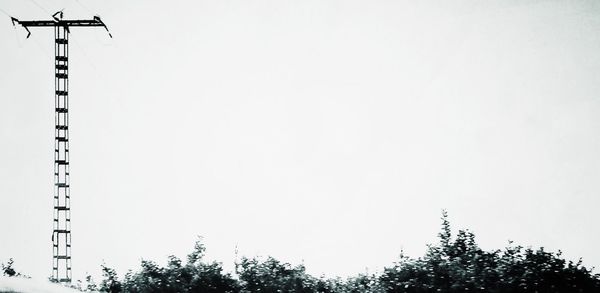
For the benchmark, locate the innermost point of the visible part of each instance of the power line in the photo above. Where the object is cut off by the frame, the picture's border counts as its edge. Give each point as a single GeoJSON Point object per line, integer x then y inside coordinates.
{"type": "Point", "coordinates": [4, 11]}
{"type": "Point", "coordinates": [40, 6]}
{"type": "Point", "coordinates": [17, 38]}
{"type": "Point", "coordinates": [39, 45]}
{"type": "Point", "coordinates": [84, 7]}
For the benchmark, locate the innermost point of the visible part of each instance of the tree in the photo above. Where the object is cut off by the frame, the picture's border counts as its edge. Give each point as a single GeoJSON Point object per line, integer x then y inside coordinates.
{"type": "Point", "coordinates": [110, 283]}
{"type": "Point", "coordinates": [194, 276]}
{"type": "Point", "coordinates": [454, 264]}
{"type": "Point", "coordinates": [459, 265]}
{"type": "Point", "coordinates": [273, 276]}
{"type": "Point", "coordinates": [8, 270]}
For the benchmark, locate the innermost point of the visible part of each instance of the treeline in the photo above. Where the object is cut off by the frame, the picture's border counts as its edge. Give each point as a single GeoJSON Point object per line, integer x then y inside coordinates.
{"type": "Point", "coordinates": [455, 264]}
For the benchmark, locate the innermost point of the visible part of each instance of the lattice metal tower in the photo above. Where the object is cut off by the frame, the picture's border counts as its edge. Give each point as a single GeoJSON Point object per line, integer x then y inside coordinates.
{"type": "Point", "coordinates": [61, 225]}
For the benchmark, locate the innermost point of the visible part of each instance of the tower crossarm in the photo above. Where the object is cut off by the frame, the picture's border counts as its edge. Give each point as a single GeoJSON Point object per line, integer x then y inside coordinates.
{"type": "Point", "coordinates": [27, 23]}
{"type": "Point", "coordinates": [59, 22]}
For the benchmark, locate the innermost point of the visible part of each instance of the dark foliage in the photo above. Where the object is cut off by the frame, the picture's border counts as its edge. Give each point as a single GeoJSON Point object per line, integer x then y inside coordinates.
{"type": "Point", "coordinates": [273, 276]}
{"type": "Point", "coordinates": [453, 265]}
{"type": "Point", "coordinates": [193, 276]}
{"type": "Point", "coordinates": [460, 265]}
{"type": "Point", "coordinates": [8, 270]}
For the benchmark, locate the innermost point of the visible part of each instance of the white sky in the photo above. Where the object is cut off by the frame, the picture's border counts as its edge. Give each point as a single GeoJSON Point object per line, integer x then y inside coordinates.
{"type": "Point", "coordinates": [325, 132]}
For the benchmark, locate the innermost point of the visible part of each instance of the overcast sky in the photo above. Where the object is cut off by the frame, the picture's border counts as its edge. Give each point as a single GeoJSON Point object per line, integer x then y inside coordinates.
{"type": "Point", "coordinates": [326, 132]}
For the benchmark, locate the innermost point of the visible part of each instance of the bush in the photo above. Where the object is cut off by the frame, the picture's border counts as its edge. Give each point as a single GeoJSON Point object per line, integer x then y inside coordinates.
{"type": "Point", "coordinates": [453, 265]}
{"type": "Point", "coordinates": [460, 265]}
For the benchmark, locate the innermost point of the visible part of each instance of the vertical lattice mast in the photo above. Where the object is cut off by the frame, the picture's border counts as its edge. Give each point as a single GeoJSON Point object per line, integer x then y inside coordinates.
{"type": "Point", "coordinates": [61, 234]}
{"type": "Point", "coordinates": [61, 226]}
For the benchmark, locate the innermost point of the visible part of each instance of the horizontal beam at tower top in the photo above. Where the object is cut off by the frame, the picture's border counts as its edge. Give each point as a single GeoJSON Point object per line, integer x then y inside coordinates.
{"type": "Point", "coordinates": [59, 22]}
{"type": "Point", "coordinates": [93, 22]}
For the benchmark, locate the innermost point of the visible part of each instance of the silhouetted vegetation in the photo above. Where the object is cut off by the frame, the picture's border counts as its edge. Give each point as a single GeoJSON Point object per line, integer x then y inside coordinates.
{"type": "Point", "coordinates": [193, 276]}
{"type": "Point", "coordinates": [455, 264]}
{"type": "Point", "coordinates": [459, 265]}
{"type": "Point", "coordinates": [9, 271]}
